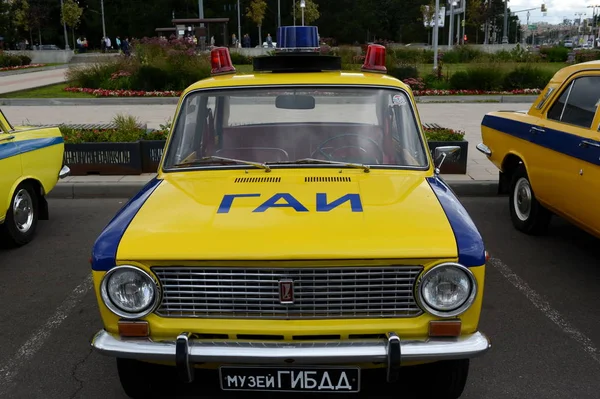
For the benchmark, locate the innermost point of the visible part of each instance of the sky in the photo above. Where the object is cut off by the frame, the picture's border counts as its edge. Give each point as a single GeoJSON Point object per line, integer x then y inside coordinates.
{"type": "Point", "coordinates": [557, 9]}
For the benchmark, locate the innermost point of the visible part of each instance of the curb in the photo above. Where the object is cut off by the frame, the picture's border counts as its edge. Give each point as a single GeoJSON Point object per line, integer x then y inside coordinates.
{"type": "Point", "coordinates": [520, 99]}
{"type": "Point", "coordinates": [483, 188]}
{"type": "Point", "coordinates": [32, 70]}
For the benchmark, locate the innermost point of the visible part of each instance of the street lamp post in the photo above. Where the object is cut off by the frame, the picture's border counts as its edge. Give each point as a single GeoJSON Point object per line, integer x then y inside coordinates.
{"type": "Point", "coordinates": [593, 7]}
{"type": "Point", "coordinates": [103, 26]}
{"type": "Point", "coordinates": [435, 35]}
{"type": "Point", "coordinates": [505, 35]}
{"type": "Point", "coordinates": [65, 28]}
{"type": "Point", "coordinates": [278, 13]}
{"type": "Point", "coordinates": [302, 6]}
{"type": "Point", "coordinates": [450, 30]}
{"type": "Point", "coordinates": [239, 23]}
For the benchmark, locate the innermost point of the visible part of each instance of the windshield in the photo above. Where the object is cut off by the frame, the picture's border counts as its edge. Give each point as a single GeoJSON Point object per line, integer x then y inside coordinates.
{"type": "Point", "coordinates": [280, 125]}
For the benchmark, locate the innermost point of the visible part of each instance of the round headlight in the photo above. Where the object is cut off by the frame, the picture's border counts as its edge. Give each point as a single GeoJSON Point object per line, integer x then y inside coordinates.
{"type": "Point", "coordinates": [447, 290]}
{"type": "Point", "coordinates": [129, 292]}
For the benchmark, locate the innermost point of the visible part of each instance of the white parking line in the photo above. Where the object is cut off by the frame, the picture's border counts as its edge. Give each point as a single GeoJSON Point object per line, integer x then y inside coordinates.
{"type": "Point", "coordinates": [10, 368]}
{"type": "Point", "coordinates": [543, 305]}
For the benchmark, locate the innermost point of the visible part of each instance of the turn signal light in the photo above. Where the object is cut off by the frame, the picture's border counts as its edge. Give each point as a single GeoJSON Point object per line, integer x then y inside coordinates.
{"type": "Point", "coordinates": [133, 328]}
{"type": "Point", "coordinates": [375, 59]}
{"type": "Point", "coordinates": [221, 61]}
{"type": "Point", "coordinates": [445, 328]}
{"type": "Point", "coordinates": [487, 256]}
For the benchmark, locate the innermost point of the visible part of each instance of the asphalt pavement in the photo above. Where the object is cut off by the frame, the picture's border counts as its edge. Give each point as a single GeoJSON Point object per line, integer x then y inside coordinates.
{"type": "Point", "coordinates": [540, 310]}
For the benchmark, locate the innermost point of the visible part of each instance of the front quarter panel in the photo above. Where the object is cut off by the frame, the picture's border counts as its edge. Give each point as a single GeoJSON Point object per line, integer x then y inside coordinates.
{"type": "Point", "coordinates": [42, 152]}
{"type": "Point", "coordinates": [508, 133]}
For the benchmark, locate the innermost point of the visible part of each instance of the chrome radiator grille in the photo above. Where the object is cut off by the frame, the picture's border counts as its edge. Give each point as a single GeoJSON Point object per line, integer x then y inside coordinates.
{"type": "Point", "coordinates": [340, 292]}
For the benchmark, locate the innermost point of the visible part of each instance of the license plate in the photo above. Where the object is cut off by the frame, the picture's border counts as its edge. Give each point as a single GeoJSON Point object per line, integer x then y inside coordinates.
{"type": "Point", "coordinates": [309, 379]}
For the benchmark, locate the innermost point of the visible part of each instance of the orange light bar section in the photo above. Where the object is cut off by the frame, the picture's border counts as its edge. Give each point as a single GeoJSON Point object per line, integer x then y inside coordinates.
{"type": "Point", "coordinates": [445, 328]}
{"type": "Point", "coordinates": [133, 328]}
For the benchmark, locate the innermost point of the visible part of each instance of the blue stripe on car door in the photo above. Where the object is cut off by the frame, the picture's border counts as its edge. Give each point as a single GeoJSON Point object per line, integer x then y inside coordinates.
{"type": "Point", "coordinates": [555, 140]}
{"type": "Point", "coordinates": [13, 148]}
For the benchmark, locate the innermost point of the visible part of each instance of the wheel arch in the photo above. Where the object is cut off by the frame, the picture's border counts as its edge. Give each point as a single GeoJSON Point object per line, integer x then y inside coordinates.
{"type": "Point", "coordinates": [509, 165]}
{"type": "Point", "coordinates": [40, 193]}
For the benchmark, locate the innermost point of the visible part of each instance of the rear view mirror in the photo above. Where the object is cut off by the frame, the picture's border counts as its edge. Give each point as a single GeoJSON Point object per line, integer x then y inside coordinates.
{"type": "Point", "coordinates": [295, 102]}
{"type": "Point", "coordinates": [450, 152]}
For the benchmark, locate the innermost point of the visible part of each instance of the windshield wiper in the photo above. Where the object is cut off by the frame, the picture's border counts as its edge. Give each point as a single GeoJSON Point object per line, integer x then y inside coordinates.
{"type": "Point", "coordinates": [366, 168]}
{"type": "Point", "coordinates": [221, 160]}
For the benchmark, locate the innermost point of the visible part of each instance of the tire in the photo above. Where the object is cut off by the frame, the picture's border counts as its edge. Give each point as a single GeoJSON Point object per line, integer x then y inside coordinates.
{"type": "Point", "coordinates": [526, 213]}
{"type": "Point", "coordinates": [21, 219]}
{"type": "Point", "coordinates": [138, 379]}
{"type": "Point", "coordinates": [444, 380]}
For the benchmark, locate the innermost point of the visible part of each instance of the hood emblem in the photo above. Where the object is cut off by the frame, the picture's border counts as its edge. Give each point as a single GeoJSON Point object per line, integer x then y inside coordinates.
{"type": "Point", "coordinates": [286, 291]}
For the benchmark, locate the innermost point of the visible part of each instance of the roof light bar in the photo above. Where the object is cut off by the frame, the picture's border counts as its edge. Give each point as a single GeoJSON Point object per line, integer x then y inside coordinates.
{"type": "Point", "coordinates": [375, 59]}
{"type": "Point", "coordinates": [297, 39]}
{"type": "Point", "coordinates": [221, 61]}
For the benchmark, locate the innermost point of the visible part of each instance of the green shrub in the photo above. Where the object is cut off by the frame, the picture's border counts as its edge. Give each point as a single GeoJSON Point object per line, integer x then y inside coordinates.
{"type": "Point", "coordinates": [403, 72]}
{"type": "Point", "coordinates": [462, 54]}
{"type": "Point", "coordinates": [25, 60]}
{"type": "Point", "coordinates": [479, 77]}
{"type": "Point", "coordinates": [527, 77]}
{"type": "Point", "coordinates": [444, 134]}
{"type": "Point", "coordinates": [156, 64]}
{"type": "Point", "coordinates": [555, 54]}
{"type": "Point", "coordinates": [433, 82]}
{"type": "Point", "coordinates": [587, 55]}
{"type": "Point", "coordinates": [7, 60]}
{"type": "Point", "coordinates": [411, 56]}
{"type": "Point", "coordinates": [238, 58]}
{"type": "Point", "coordinates": [460, 81]}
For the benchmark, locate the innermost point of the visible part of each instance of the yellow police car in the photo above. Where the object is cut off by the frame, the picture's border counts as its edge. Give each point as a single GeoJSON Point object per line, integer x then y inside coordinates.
{"type": "Point", "coordinates": [549, 156]}
{"type": "Point", "coordinates": [30, 166]}
{"type": "Point", "coordinates": [297, 235]}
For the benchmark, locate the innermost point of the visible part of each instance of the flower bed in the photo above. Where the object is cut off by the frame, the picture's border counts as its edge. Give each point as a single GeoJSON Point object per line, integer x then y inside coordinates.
{"type": "Point", "coordinates": [14, 68]}
{"type": "Point", "coordinates": [123, 93]}
{"type": "Point", "coordinates": [474, 92]}
{"type": "Point", "coordinates": [173, 93]}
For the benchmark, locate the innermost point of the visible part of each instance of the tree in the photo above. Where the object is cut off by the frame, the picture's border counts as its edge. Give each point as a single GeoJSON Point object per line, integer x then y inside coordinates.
{"type": "Point", "coordinates": [256, 12]}
{"type": "Point", "coordinates": [476, 11]}
{"type": "Point", "coordinates": [311, 12]}
{"type": "Point", "coordinates": [71, 15]}
{"type": "Point", "coordinates": [22, 18]}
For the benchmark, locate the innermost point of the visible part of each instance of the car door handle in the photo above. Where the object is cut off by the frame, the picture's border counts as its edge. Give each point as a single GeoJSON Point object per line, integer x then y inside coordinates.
{"type": "Point", "coordinates": [7, 138]}
{"type": "Point", "coordinates": [535, 129]}
{"type": "Point", "coordinates": [585, 143]}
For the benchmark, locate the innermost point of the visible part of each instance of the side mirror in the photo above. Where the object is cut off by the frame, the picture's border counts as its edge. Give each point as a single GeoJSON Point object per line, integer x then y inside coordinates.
{"type": "Point", "coordinates": [441, 153]}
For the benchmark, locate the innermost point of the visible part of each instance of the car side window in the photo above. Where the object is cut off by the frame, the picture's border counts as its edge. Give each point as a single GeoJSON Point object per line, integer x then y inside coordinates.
{"type": "Point", "coordinates": [577, 104]}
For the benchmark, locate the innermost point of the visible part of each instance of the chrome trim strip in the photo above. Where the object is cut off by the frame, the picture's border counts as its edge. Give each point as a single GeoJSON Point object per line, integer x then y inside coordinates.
{"type": "Point", "coordinates": [11, 137]}
{"type": "Point", "coordinates": [302, 353]}
{"type": "Point", "coordinates": [484, 148]}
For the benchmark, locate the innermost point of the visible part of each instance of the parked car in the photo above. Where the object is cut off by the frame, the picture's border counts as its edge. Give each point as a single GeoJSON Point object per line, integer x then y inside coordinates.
{"type": "Point", "coordinates": [297, 234]}
{"type": "Point", "coordinates": [549, 156]}
{"type": "Point", "coordinates": [30, 166]}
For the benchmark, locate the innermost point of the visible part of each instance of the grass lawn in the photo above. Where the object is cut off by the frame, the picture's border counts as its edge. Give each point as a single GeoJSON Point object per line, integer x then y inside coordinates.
{"type": "Point", "coordinates": [426, 69]}
{"type": "Point", "coordinates": [53, 91]}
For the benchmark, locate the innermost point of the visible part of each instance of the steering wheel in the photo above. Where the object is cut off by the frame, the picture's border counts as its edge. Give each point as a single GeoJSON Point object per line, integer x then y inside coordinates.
{"type": "Point", "coordinates": [331, 155]}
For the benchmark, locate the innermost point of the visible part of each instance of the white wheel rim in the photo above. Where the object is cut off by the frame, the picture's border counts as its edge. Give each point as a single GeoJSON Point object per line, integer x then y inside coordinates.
{"type": "Point", "coordinates": [522, 198]}
{"type": "Point", "coordinates": [23, 211]}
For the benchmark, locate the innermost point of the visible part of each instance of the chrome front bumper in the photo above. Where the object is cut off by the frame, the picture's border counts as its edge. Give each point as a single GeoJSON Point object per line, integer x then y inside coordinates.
{"type": "Point", "coordinates": [391, 351]}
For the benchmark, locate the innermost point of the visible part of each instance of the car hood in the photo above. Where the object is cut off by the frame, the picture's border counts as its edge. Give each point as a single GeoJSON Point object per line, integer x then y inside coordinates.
{"type": "Point", "coordinates": [206, 216]}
